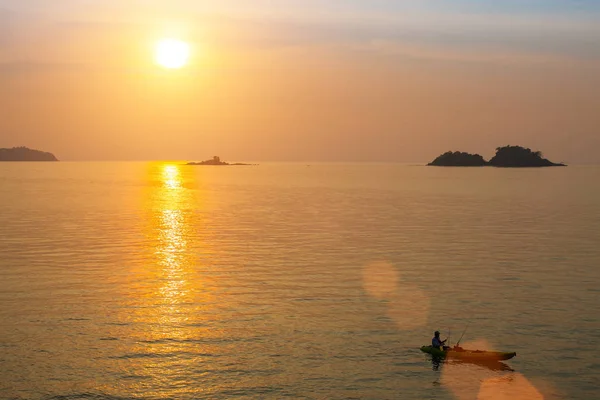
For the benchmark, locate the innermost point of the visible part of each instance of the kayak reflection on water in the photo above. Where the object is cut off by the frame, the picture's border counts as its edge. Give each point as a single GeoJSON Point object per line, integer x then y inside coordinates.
{"type": "Point", "coordinates": [437, 362]}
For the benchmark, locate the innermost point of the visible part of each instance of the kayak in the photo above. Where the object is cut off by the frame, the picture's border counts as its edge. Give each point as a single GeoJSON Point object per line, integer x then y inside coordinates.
{"type": "Point", "coordinates": [462, 354]}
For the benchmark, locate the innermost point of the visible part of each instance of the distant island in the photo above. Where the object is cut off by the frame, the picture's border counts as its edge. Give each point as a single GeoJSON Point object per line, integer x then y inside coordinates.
{"type": "Point", "coordinates": [506, 157]}
{"type": "Point", "coordinates": [215, 161]}
{"type": "Point", "coordinates": [25, 154]}
{"type": "Point", "coordinates": [459, 159]}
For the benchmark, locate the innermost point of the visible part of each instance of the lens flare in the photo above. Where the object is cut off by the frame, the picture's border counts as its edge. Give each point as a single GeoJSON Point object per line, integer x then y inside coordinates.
{"type": "Point", "coordinates": [408, 305]}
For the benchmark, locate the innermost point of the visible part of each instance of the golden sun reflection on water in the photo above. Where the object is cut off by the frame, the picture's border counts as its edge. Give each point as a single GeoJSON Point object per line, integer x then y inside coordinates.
{"type": "Point", "coordinates": [170, 302]}
{"type": "Point", "coordinates": [172, 256]}
{"type": "Point", "coordinates": [171, 177]}
{"type": "Point", "coordinates": [172, 230]}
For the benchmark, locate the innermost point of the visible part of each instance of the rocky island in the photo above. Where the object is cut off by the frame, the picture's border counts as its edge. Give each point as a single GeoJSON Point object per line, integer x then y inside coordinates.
{"type": "Point", "coordinates": [459, 159]}
{"type": "Point", "coordinates": [519, 157]}
{"type": "Point", "coordinates": [214, 161]}
{"type": "Point", "coordinates": [25, 154]}
{"type": "Point", "coordinates": [506, 157]}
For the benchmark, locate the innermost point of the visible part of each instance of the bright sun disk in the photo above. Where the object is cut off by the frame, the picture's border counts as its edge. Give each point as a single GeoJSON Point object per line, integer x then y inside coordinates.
{"type": "Point", "coordinates": [172, 53]}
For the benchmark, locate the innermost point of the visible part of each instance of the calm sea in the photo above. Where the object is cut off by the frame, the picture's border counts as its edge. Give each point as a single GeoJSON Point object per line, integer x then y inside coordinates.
{"type": "Point", "coordinates": [164, 281]}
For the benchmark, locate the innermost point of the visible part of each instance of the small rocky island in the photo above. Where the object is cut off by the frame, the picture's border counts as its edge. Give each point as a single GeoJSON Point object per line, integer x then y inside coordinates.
{"type": "Point", "coordinates": [506, 157]}
{"type": "Point", "coordinates": [214, 161]}
{"type": "Point", "coordinates": [459, 159]}
{"type": "Point", "coordinates": [25, 154]}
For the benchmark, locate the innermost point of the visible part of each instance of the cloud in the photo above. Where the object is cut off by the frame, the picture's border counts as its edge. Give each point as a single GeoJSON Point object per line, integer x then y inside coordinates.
{"type": "Point", "coordinates": [527, 39]}
{"type": "Point", "coordinates": [7, 25]}
{"type": "Point", "coordinates": [464, 39]}
{"type": "Point", "coordinates": [472, 54]}
{"type": "Point", "coordinates": [25, 67]}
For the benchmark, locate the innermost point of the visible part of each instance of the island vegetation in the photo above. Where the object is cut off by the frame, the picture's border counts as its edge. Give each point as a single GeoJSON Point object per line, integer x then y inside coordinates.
{"type": "Point", "coordinates": [25, 154]}
{"type": "Point", "coordinates": [516, 156]}
{"type": "Point", "coordinates": [506, 157]}
{"type": "Point", "coordinates": [216, 160]}
{"type": "Point", "coordinates": [459, 159]}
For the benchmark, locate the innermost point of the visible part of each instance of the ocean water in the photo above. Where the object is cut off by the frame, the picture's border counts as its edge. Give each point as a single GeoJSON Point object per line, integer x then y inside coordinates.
{"type": "Point", "coordinates": [165, 281]}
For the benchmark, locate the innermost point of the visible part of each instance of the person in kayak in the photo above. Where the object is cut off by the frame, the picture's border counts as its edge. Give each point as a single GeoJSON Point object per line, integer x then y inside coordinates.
{"type": "Point", "coordinates": [437, 342]}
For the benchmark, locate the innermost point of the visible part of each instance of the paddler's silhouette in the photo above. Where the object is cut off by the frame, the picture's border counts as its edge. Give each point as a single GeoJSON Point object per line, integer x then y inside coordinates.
{"type": "Point", "coordinates": [437, 342]}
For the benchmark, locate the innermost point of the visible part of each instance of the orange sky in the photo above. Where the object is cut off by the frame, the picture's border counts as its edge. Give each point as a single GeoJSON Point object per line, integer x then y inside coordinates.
{"type": "Point", "coordinates": [269, 84]}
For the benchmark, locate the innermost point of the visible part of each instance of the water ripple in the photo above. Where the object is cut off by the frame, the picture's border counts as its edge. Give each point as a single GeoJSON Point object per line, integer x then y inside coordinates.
{"type": "Point", "coordinates": [156, 281]}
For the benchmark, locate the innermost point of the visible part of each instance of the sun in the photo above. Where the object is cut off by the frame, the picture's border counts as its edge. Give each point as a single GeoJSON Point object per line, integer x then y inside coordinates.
{"type": "Point", "coordinates": [172, 53]}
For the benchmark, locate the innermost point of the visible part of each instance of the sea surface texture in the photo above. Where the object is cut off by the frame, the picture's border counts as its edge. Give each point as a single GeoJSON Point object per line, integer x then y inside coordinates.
{"type": "Point", "coordinates": [165, 281]}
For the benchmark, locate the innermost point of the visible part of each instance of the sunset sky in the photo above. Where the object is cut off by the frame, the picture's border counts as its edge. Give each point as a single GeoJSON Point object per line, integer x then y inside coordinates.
{"type": "Point", "coordinates": [327, 80]}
